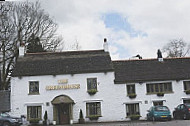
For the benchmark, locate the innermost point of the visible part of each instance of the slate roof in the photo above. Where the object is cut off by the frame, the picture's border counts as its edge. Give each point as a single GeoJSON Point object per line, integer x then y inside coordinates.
{"type": "Point", "coordinates": [70, 62]}
{"type": "Point", "coordinates": [130, 71]}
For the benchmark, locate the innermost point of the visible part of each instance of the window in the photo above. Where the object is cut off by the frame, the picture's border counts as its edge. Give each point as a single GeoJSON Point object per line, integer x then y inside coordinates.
{"type": "Point", "coordinates": [131, 89]}
{"type": "Point", "coordinates": [93, 109]}
{"type": "Point", "coordinates": [33, 87]}
{"type": "Point", "coordinates": [186, 85]}
{"type": "Point", "coordinates": [159, 87]}
{"type": "Point", "coordinates": [132, 109]}
{"type": "Point", "coordinates": [92, 85]}
{"type": "Point", "coordinates": [34, 112]}
{"type": "Point", "coordinates": [186, 101]}
{"type": "Point", "coordinates": [156, 103]}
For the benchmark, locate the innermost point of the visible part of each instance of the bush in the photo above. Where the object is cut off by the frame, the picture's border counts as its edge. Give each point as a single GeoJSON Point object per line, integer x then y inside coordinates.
{"type": "Point", "coordinates": [34, 121]}
{"type": "Point", "coordinates": [187, 91]}
{"type": "Point", "coordinates": [45, 118]}
{"type": "Point", "coordinates": [81, 118]}
{"type": "Point", "coordinates": [160, 94]}
{"type": "Point", "coordinates": [134, 117]}
{"type": "Point", "coordinates": [93, 117]}
{"type": "Point", "coordinates": [132, 95]}
{"type": "Point", "coordinates": [92, 91]}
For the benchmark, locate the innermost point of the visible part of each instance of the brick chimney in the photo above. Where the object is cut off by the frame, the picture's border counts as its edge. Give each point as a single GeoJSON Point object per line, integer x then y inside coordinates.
{"type": "Point", "coordinates": [105, 45]}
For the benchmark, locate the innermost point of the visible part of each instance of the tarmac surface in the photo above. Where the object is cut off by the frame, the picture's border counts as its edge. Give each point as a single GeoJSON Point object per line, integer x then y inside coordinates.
{"type": "Point", "coordinates": [136, 123]}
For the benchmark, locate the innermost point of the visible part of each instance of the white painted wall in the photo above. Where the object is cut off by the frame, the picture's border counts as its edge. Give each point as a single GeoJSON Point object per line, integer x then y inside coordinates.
{"type": "Point", "coordinates": [112, 96]}
{"type": "Point", "coordinates": [108, 93]}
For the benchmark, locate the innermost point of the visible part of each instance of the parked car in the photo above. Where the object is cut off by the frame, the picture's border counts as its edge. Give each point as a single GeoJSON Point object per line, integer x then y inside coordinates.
{"type": "Point", "coordinates": [7, 120]}
{"type": "Point", "coordinates": [159, 113]}
{"type": "Point", "coordinates": [182, 111]}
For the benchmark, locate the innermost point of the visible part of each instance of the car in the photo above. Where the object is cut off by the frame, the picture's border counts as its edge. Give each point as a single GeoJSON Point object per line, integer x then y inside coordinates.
{"type": "Point", "coordinates": [7, 120]}
{"type": "Point", "coordinates": [182, 111]}
{"type": "Point", "coordinates": [159, 113]}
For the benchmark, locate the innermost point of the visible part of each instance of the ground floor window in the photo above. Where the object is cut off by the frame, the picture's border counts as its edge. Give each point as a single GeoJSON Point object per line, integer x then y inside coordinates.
{"type": "Point", "coordinates": [34, 112]}
{"type": "Point", "coordinates": [93, 109]}
{"type": "Point", "coordinates": [186, 101]}
{"type": "Point", "coordinates": [156, 103]}
{"type": "Point", "coordinates": [132, 109]}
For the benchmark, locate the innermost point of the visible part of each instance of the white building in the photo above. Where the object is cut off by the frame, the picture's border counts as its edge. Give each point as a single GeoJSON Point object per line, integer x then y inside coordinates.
{"type": "Point", "coordinates": [105, 90]}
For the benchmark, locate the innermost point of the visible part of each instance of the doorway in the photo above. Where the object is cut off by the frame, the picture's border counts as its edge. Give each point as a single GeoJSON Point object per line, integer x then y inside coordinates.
{"type": "Point", "coordinates": [62, 109]}
{"type": "Point", "coordinates": [63, 114]}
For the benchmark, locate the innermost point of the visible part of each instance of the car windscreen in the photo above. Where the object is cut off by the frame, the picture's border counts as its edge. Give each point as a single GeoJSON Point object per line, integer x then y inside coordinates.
{"type": "Point", "coordinates": [161, 108]}
{"type": "Point", "coordinates": [188, 105]}
{"type": "Point", "coordinates": [4, 115]}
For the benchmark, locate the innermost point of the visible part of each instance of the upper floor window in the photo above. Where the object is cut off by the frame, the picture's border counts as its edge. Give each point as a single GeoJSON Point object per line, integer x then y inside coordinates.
{"type": "Point", "coordinates": [92, 85]}
{"type": "Point", "coordinates": [131, 91]}
{"type": "Point", "coordinates": [93, 110]}
{"type": "Point", "coordinates": [34, 87]}
{"type": "Point", "coordinates": [186, 85]}
{"type": "Point", "coordinates": [159, 87]}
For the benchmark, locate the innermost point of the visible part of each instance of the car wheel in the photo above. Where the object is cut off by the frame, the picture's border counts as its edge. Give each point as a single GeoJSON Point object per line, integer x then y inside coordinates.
{"type": "Point", "coordinates": [184, 116]}
{"type": "Point", "coordinates": [153, 119]}
{"type": "Point", "coordinates": [6, 124]}
{"type": "Point", "coordinates": [174, 115]}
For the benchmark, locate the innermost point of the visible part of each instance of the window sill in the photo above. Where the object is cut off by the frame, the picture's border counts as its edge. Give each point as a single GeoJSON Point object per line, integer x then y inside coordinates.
{"type": "Point", "coordinates": [158, 92]}
{"type": "Point", "coordinates": [187, 91]}
{"type": "Point", "coordinates": [132, 95]}
{"type": "Point", "coordinates": [92, 91]}
{"type": "Point", "coordinates": [93, 117]}
{"type": "Point", "coordinates": [34, 94]}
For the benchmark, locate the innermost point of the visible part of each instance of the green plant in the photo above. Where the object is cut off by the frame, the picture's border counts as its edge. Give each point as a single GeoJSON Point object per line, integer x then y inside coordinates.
{"type": "Point", "coordinates": [34, 121]}
{"type": "Point", "coordinates": [92, 91]}
{"type": "Point", "coordinates": [160, 94]}
{"type": "Point", "coordinates": [93, 117]}
{"type": "Point", "coordinates": [132, 95]}
{"type": "Point", "coordinates": [45, 118]}
{"type": "Point", "coordinates": [134, 117]}
{"type": "Point", "coordinates": [81, 118]}
{"type": "Point", "coordinates": [187, 91]}
{"type": "Point", "coordinates": [81, 114]}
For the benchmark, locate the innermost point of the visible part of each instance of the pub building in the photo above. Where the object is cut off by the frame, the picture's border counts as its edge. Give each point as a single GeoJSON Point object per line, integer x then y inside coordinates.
{"type": "Point", "coordinates": [63, 83]}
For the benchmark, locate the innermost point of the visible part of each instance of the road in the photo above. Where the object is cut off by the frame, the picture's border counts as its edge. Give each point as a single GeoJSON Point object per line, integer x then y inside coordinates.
{"type": "Point", "coordinates": [140, 123]}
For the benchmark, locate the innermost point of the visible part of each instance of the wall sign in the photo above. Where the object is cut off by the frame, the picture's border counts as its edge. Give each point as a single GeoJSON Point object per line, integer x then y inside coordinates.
{"type": "Point", "coordinates": [60, 87]}
{"type": "Point", "coordinates": [63, 81]}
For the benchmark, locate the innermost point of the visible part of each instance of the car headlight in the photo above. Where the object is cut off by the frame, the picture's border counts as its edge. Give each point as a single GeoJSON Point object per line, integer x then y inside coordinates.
{"type": "Point", "coordinates": [14, 120]}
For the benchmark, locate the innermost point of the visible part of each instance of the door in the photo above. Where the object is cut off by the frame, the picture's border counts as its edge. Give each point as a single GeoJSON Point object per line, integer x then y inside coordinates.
{"type": "Point", "coordinates": [64, 114]}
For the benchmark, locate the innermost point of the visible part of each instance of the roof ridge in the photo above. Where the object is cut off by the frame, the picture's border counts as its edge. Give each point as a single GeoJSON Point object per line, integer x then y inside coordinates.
{"type": "Point", "coordinates": [44, 53]}
{"type": "Point", "coordinates": [147, 59]}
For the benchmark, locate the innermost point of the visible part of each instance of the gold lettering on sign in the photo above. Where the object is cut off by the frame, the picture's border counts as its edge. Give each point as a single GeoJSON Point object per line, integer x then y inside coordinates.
{"type": "Point", "coordinates": [63, 81]}
{"type": "Point", "coordinates": [59, 87]}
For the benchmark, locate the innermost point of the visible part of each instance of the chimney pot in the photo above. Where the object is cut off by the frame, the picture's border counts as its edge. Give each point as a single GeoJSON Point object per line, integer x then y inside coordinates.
{"type": "Point", "coordinates": [21, 49]}
{"type": "Point", "coordinates": [105, 45]}
{"type": "Point", "coordinates": [105, 40]}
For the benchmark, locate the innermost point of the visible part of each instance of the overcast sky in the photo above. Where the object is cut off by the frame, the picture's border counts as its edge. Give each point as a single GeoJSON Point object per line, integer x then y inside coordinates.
{"type": "Point", "coordinates": [131, 26]}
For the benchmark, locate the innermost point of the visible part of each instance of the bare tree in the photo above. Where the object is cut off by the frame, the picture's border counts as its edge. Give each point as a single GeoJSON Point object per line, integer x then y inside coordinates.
{"type": "Point", "coordinates": [18, 22]}
{"type": "Point", "coordinates": [75, 45]}
{"type": "Point", "coordinates": [7, 45]}
{"type": "Point", "coordinates": [176, 48]}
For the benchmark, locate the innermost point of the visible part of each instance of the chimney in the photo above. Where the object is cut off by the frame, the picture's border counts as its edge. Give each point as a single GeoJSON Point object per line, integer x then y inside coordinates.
{"type": "Point", "coordinates": [21, 49]}
{"type": "Point", "coordinates": [105, 45]}
{"type": "Point", "coordinates": [159, 56]}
